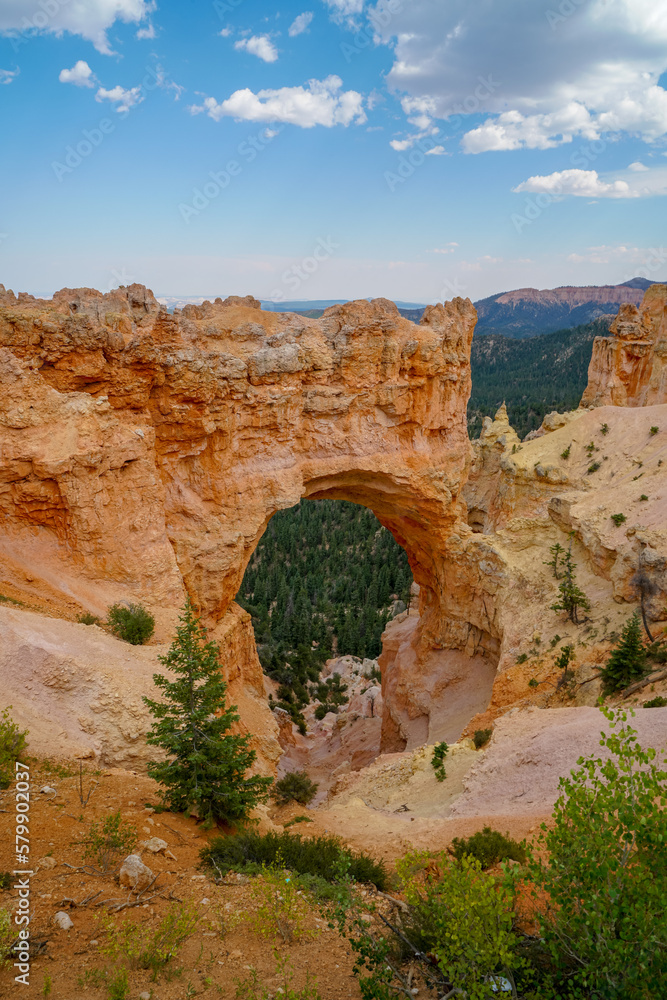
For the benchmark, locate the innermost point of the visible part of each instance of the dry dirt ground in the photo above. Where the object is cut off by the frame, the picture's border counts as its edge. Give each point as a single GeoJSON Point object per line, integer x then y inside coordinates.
{"type": "Point", "coordinates": [387, 809]}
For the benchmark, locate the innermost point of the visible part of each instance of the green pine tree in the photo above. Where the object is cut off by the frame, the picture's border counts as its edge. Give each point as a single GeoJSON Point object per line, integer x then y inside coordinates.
{"type": "Point", "coordinates": [572, 598]}
{"type": "Point", "coordinates": [627, 662]}
{"type": "Point", "coordinates": [205, 772]}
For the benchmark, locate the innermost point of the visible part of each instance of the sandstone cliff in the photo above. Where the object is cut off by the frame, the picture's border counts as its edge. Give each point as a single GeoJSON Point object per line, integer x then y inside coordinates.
{"type": "Point", "coordinates": [629, 368]}
{"type": "Point", "coordinates": [142, 454]}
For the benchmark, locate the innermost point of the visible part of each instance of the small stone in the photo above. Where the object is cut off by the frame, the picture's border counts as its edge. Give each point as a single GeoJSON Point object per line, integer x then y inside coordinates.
{"type": "Point", "coordinates": [168, 854]}
{"type": "Point", "coordinates": [155, 845]}
{"type": "Point", "coordinates": [197, 878]}
{"type": "Point", "coordinates": [63, 920]}
{"type": "Point", "coordinates": [47, 790]}
{"type": "Point", "coordinates": [93, 943]}
{"type": "Point", "coordinates": [204, 901]}
{"type": "Point", "coordinates": [135, 874]}
{"type": "Point", "coordinates": [47, 862]}
{"type": "Point", "coordinates": [145, 995]}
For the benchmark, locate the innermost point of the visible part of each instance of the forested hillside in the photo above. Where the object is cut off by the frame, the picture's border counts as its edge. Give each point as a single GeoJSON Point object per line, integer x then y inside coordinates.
{"type": "Point", "coordinates": [321, 582]}
{"type": "Point", "coordinates": [533, 376]}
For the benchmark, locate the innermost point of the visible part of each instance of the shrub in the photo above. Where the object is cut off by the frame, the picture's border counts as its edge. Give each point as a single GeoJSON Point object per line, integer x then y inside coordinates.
{"type": "Point", "coordinates": [438, 760]}
{"type": "Point", "coordinates": [250, 988]}
{"type": "Point", "coordinates": [654, 430]}
{"type": "Point", "coordinates": [87, 619]}
{"type": "Point", "coordinates": [489, 847]}
{"type": "Point", "coordinates": [604, 429]}
{"type": "Point", "coordinates": [593, 467]}
{"type": "Point", "coordinates": [132, 623]}
{"type": "Point", "coordinates": [280, 908]}
{"type": "Point", "coordinates": [297, 819]}
{"type": "Point", "coordinates": [627, 662]}
{"type": "Point", "coordinates": [657, 702]}
{"type": "Point", "coordinates": [522, 657]}
{"type": "Point", "coordinates": [294, 787]}
{"type": "Point", "coordinates": [533, 683]}
{"type": "Point", "coordinates": [108, 841]}
{"type": "Point", "coordinates": [657, 651]}
{"type": "Point", "coordinates": [618, 519]}
{"type": "Point", "coordinates": [145, 947]}
{"type": "Point", "coordinates": [469, 920]}
{"type": "Point", "coordinates": [206, 766]}
{"type": "Point", "coordinates": [481, 737]}
{"type": "Point", "coordinates": [566, 454]}
{"type": "Point", "coordinates": [7, 935]}
{"type": "Point", "coordinates": [13, 742]}
{"type": "Point", "coordinates": [602, 870]}
{"type": "Point", "coordinates": [643, 497]}
{"type": "Point", "coordinates": [320, 856]}
{"type": "Point", "coordinates": [5, 881]}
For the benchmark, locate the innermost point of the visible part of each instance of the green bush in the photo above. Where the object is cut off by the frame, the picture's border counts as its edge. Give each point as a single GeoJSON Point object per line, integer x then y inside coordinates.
{"type": "Point", "coordinates": [294, 787]}
{"type": "Point", "coordinates": [7, 935]}
{"type": "Point", "coordinates": [618, 519]}
{"type": "Point", "coordinates": [602, 870]}
{"type": "Point", "coordinates": [593, 467]}
{"type": "Point", "coordinates": [146, 947]}
{"type": "Point", "coordinates": [132, 623]}
{"type": "Point", "coordinates": [489, 847]}
{"type": "Point", "coordinates": [109, 840]}
{"type": "Point", "coordinates": [320, 856]}
{"type": "Point", "coordinates": [657, 702]}
{"type": "Point", "coordinates": [87, 619]}
{"type": "Point", "coordinates": [13, 743]}
{"type": "Point", "coordinates": [440, 751]}
{"type": "Point", "coordinates": [481, 737]}
{"type": "Point", "coordinates": [654, 430]}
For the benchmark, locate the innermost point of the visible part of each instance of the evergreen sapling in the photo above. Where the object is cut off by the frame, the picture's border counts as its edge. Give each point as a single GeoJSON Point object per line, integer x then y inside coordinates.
{"type": "Point", "coordinates": [205, 773]}
{"type": "Point", "coordinates": [627, 662]}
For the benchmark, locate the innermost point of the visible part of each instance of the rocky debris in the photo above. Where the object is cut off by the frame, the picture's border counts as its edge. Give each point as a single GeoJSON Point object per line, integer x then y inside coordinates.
{"type": "Point", "coordinates": [47, 862]}
{"type": "Point", "coordinates": [63, 921]}
{"type": "Point", "coordinates": [134, 874]}
{"type": "Point", "coordinates": [47, 790]}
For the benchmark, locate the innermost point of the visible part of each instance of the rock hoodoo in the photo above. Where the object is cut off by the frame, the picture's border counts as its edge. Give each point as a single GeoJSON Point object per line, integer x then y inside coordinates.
{"type": "Point", "coordinates": [629, 368]}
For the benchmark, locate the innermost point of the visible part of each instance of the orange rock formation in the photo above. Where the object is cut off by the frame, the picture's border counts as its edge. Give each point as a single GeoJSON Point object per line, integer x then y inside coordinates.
{"type": "Point", "coordinates": [630, 367]}
{"type": "Point", "coordinates": [143, 453]}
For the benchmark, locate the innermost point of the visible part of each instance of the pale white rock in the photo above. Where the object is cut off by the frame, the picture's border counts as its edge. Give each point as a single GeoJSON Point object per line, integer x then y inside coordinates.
{"type": "Point", "coordinates": [47, 862]}
{"type": "Point", "coordinates": [135, 874]}
{"type": "Point", "coordinates": [155, 845]}
{"type": "Point", "coordinates": [63, 920]}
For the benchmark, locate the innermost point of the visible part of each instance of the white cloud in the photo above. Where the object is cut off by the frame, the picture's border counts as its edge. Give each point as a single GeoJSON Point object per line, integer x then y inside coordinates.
{"type": "Point", "coordinates": [123, 99]}
{"type": "Point", "coordinates": [260, 46]}
{"type": "Point", "coordinates": [7, 75]}
{"type": "Point", "coordinates": [300, 24]}
{"type": "Point", "coordinates": [449, 248]}
{"type": "Point", "coordinates": [580, 183]}
{"type": "Point", "coordinates": [538, 84]}
{"type": "Point", "coordinates": [81, 75]}
{"type": "Point", "coordinates": [226, 32]}
{"type": "Point", "coordinates": [436, 151]}
{"type": "Point", "coordinates": [320, 102]}
{"type": "Point", "coordinates": [637, 167]}
{"type": "Point", "coordinates": [91, 20]}
{"type": "Point", "coordinates": [148, 32]}
{"type": "Point", "coordinates": [345, 9]}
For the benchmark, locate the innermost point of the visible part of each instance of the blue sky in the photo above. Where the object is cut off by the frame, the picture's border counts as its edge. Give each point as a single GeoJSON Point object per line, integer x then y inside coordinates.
{"type": "Point", "coordinates": [415, 149]}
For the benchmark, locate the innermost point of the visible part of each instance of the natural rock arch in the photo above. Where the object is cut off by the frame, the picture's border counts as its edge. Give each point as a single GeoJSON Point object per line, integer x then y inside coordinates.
{"type": "Point", "coordinates": [146, 452]}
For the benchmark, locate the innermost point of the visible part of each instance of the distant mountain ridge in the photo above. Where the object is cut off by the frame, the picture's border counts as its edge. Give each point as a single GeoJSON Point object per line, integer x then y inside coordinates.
{"type": "Point", "coordinates": [520, 313]}
{"type": "Point", "coordinates": [529, 312]}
